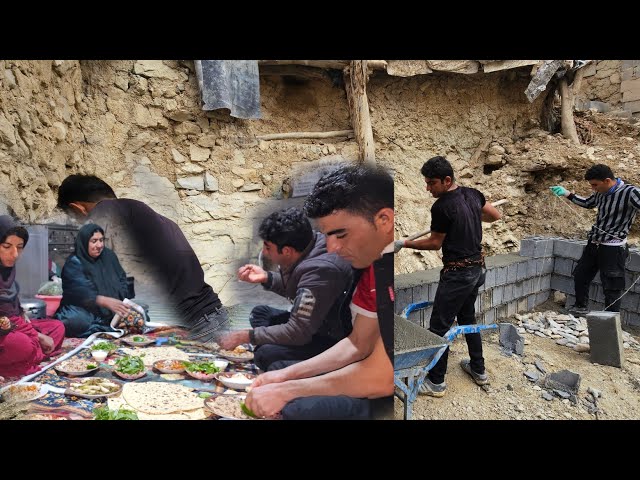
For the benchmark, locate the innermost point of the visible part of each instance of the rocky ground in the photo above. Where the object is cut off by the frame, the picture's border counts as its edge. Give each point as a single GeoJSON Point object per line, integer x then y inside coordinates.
{"type": "Point", "coordinates": [517, 389]}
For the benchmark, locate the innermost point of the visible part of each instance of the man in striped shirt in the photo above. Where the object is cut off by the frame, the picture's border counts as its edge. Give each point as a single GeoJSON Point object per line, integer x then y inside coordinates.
{"type": "Point", "coordinates": [607, 248]}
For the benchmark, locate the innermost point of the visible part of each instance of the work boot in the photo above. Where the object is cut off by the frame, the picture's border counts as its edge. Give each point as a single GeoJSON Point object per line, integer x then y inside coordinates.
{"type": "Point", "coordinates": [479, 378]}
{"type": "Point", "coordinates": [433, 389]}
{"type": "Point", "coordinates": [578, 310]}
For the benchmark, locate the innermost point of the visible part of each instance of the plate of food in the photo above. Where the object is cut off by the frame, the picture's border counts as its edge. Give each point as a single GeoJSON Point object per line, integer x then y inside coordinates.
{"type": "Point", "coordinates": [130, 367]}
{"type": "Point", "coordinates": [203, 370]}
{"type": "Point", "coordinates": [75, 367]}
{"type": "Point", "coordinates": [43, 416]}
{"type": "Point", "coordinates": [229, 406]}
{"type": "Point", "coordinates": [236, 380]}
{"type": "Point", "coordinates": [169, 366]}
{"type": "Point", "coordinates": [105, 346]}
{"type": "Point", "coordinates": [239, 354]}
{"type": "Point", "coordinates": [94, 387]}
{"type": "Point", "coordinates": [23, 392]}
{"type": "Point", "coordinates": [138, 340]}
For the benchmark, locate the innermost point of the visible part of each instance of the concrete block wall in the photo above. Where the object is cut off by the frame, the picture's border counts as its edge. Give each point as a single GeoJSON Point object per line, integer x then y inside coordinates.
{"type": "Point", "coordinates": [519, 283]}
{"type": "Point", "coordinates": [611, 86]}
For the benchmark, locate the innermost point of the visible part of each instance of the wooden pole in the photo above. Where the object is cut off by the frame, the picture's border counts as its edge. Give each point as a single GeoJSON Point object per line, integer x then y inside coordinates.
{"type": "Point", "coordinates": [284, 136]}
{"type": "Point", "coordinates": [356, 87]}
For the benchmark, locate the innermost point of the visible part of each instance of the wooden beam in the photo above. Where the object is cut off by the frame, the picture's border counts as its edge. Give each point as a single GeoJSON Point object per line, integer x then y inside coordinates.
{"type": "Point", "coordinates": [337, 64]}
{"type": "Point", "coordinates": [294, 71]}
{"type": "Point", "coordinates": [285, 136]}
{"type": "Point", "coordinates": [356, 77]}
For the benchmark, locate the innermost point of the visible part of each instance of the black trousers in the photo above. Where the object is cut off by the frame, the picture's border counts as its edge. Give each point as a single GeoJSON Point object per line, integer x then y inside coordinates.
{"type": "Point", "coordinates": [338, 407]}
{"type": "Point", "coordinates": [455, 297]}
{"type": "Point", "coordinates": [274, 357]}
{"type": "Point", "coordinates": [610, 261]}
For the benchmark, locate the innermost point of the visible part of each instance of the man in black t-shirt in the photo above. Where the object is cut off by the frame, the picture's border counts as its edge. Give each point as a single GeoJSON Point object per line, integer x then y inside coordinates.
{"type": "Point", "coordinates": [456, 226]}
{"type": "Point", "coordinates": [158, 243]}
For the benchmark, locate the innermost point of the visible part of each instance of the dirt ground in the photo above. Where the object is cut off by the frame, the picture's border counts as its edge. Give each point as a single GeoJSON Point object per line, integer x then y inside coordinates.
{"type": "Point", "coordinates": [511, 396]}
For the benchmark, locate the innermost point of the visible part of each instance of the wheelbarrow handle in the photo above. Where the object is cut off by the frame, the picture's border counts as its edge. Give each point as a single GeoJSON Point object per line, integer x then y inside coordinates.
{"type": "Point", "coordinates": [466, 329]}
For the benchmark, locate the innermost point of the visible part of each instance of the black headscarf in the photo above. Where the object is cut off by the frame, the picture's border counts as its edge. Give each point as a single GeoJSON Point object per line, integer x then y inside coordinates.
{"type": "Point", "coordinates": [8, 286]}
{"type": "Point", "coordinates": [105, 270]}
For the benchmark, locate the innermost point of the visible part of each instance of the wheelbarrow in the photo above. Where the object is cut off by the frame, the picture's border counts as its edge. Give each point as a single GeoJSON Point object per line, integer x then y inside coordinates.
{"type": "Point", "coordinates": [417, 350]}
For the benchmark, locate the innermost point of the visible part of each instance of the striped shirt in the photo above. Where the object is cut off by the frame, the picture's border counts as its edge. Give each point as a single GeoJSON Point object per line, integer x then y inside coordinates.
{"type": "Point", "coordinates": [616, 212]}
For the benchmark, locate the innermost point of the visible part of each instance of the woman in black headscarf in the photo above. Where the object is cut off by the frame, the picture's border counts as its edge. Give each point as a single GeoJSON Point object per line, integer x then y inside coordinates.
{"type": "Point", "coordinates": [24, 343]}
{"type": "Point", "coordinates": [93, 286]}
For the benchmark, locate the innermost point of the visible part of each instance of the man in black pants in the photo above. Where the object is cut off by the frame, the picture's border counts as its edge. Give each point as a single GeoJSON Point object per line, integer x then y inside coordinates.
{"type": "Point", "coordinates": [607, 248]}
{"type": "Point", "coordinates": [354, 378]}
{"type": "Point", "coordinates": [456, 226]}
{"type": "Point", "coordinates": [155, 242]}
{"type": "Point", "coordinates": [318, 284]}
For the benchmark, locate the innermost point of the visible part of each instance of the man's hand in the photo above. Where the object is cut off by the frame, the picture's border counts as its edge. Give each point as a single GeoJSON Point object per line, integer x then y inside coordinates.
{"type": "Point", "coordinates": [46, 343]}
{"type": "Point", "coordinates": [252, 274]}
{"type": "Point", "coordinates": [268, 400]}
{"type": "Point", "coordinates": [232, 339]}
{"type": "Point", "coordinates": [559, 191]}
{"type": "Point", "coordinates": [398, 245]}
{"type": "Point", "coordinates": [113, 304]}
{"type": "Point", "coordinates": [275, 376]}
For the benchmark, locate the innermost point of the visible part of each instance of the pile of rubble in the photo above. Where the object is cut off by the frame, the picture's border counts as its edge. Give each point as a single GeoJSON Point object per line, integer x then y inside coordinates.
{"type": "Point", "coordinates": [566, 329]}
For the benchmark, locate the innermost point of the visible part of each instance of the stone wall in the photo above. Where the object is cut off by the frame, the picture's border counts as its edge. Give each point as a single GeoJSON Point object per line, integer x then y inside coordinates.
{"type": "Point", "coordinates": [612, 86]}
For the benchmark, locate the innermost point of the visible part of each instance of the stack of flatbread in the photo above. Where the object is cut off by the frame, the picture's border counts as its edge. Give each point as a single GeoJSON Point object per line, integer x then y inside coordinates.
{"type": "Point", "coordinates": [154, 354]}
{"type": "Point", "coordinates": [160, 401]}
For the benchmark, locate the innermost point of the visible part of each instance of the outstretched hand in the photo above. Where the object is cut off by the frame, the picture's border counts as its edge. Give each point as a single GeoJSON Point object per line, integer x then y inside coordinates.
{"type": "Point", "coordinates": [252, 274]}
{"type": "Point", "coordinates": [559, 191]}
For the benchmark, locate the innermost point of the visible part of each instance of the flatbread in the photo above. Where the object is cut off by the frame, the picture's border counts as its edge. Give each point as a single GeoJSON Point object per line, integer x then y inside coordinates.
{"type": "Point", "coordinates": [152, 355]}
{"type": "Point", "coordinates": [161, 398]}
{"type": "Point", "coordinates": [117, 403]}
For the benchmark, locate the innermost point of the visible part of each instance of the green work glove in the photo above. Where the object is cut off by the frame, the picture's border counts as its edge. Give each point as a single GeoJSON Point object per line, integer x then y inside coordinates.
{"type": "Point", "coordinates": [559, 191]}
{"type": "Point", "coordinates": [398, 245]}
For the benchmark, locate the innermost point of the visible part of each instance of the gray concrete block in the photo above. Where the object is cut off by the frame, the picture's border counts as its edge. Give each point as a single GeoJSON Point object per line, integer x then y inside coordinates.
{"type": "Point", "coordinates": [507, 294]}
{"type": "Point", "coordinates": [517, 290]}
{"type": "Point", "coordinates": [543, 248]}
{"type": "Point", "coordinates": [522, 305]}
{"type": "Point", "coordinates": [404, 297]}
{"type": "Point", "coordinates": [501, 312]}
{"type": "Point", "coordinates": [568, 248]}
{"type": "Point", "coordinates": [522, 270]}
{"type": "Point", "coordinates": [634, 262]}
{"type": "Point", "coordinates": [542, 297]}
{"type": "Point", "coordinates": [564, 380]}
{"type": "Point", "coordinates": [605, 338]}
{"type": "Point", "coordinates": [510, 339]}
{"type": "Point", "coordinates": [512, 308]}
{"type": "Point", "coordinates": [489, 316]}
{"type": "Point", "coordinates": [512, 272]}
{"type": "Point", "coordinates": [630, 318]}
{"type": "Point", "coordinates": [490, 278]}
{"type": "Point", "coordinates": [497, 296]}
{"type": "Point", "coordinates": [631, 302]}
{"type": "Point", "coordinates": [527, 286]}
{"type": "Point", "coordinates": [545, 266]}
{"type": "Point", "coordinates": [420, 293]}
{"type": "Point", "coordinates": [594, 306]}
{"type": "Point", "coordinates": [527, 246]}
{"type": "Point", "coordinates": [571, 300]}
{"type": "Point", "coordinates": [532, 268]}
{"type": "Point", "coordinates": [563, 284]}
{"type": "Point", "coordinates": [501, 275]}
{"type": "Point", "coordinates": [531, 302]}
{"type": "Point", "coordinates": [563, 266]}
{"type": "Point", "coordinates": [487, 298]}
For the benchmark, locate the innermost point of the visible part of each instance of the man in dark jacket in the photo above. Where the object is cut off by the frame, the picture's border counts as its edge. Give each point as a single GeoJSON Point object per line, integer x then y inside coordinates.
{"type": "Point", "coordinates": [315, 281]}
{"type": "Point", "coordinates": [155, 241]}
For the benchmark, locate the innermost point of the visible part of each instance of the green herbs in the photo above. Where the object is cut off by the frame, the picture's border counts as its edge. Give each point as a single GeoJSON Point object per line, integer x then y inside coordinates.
{"type": "Point", "coordinates": [201, 367]}
{"type": "Point", "coordinates": [108, 346]}
{"type": "Point", "coordinates": [91, 366]}
{"type": "Point", "coordinates": [103, 413]}
{"type": "Point", "coordinates": [130, 364]}
{"type": "Point", "coordinates": [139, 339]}
{"type": "Point", "coordinates": [205, 394]}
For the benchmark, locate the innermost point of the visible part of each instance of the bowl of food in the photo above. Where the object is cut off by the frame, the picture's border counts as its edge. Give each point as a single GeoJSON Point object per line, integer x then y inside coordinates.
{"type": "Point", "coordinates": [93, 387]}
{"type": "Point", "coordinates": [75, 367]}
{"type": "Point", "coordinates": [228, 406]}
{"type": "Point", "coordinates": [221, 364]}
{"type": "Point", "coordinates": [104, 346]}
{"type": "Point", "coordinates": [138, 340]}
{"type": "Point", "coordinates": [203, 370]}
{"type": "Point", "coordinates": [130, 367]}
{"type": "Point", "coordinates": [169, 366]}
{"type": "Point", "coordinates": [23, 392]}
{"type": "Point", "coordinates": [99, 355]}
{"type": "Point", "coordinates": [236, 380]}
{"type": "Point", "coordinates": [239, 354]}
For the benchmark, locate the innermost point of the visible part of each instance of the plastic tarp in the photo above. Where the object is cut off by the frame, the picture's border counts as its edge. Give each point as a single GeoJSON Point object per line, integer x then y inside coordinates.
{"type": "Point", "coordinates": [231, 84]}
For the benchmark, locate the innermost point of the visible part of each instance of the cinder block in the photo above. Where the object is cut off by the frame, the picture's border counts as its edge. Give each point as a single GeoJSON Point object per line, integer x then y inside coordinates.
{"type": "Point", "coordinates": [571, 300]}
{"type": "Point", "coordinates": [490, 278]}
{"type": "Point", "coordinates": [631, 302]}
{"type": "Point", "coordinates": [545, 266]}
{"type": "Point", "coordinates": [420, 293]}
{"type": "Point", "coordinates": [634, 262]}
{"type": "Point", "coordinates": [568, 248]}
{"type": "Point", "coordinates": [510, 339]}
{"type": "Point", "coordinates": [522, 270]}
{"type": "Point", "coordinates": [489, 316]}
{"type": "Point", "coordinates": [631, 318]}
{"type": "Point", "coordinates": [527, 286]}
{"type": "Point", "coordinates": [507, 294]}
{"type": "Point", "coordinates": [501, 312]}
{"type": "Point", "coordinates": [501, 275]}
{"type": "Point", "coordinates": [497, 296]}
{"type": "Point", "coordinates": [543, 248]}
{"type": "Point", "coordinates": [532, 268]}
{"type": "Point", "coordinates": [527, 246]}
{"type": "Point", "coordinates": [522, 305]}
{"type": "Point", "coordinates": [563, 284]}
{"type": "Point", "coordinates": [512, 272]}
{"type": "Point", "coordinates": [531, 302]}
{"type": "Point", "coordinates": [517, 290]}
{"type": "Point", "coordinates": [512, 308]}
{"type": "Point", "coordinates": [594, 306]}
{"type": "Point", "coordinates": [487, 298]}
{"type": "Point", "coordinates": [542, 297]}
{"type": "Point", "coordinates": [404, 297]}
{"type": "Point", "coordinates": [605, 338]}
{"type": "Point", "coordinates": [563, 266]}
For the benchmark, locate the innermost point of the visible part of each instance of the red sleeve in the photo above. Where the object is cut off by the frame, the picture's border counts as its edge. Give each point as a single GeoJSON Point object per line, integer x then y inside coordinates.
{"type": "Point", "coordinates": [364, 298]}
